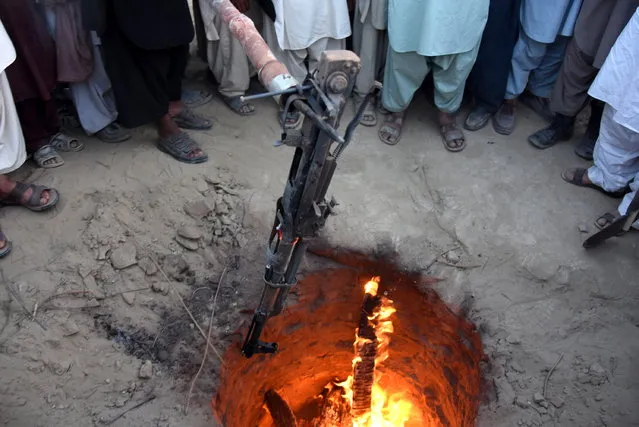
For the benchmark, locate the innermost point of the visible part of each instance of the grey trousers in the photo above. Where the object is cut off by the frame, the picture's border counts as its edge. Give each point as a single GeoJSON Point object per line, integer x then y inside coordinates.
{"type": "Point", "coordinates": [371, 45]}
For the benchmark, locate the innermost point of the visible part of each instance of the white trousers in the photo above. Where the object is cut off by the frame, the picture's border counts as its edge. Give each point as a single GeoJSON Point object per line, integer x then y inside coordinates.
{"type": "Point", "coordinates": [12, 149]}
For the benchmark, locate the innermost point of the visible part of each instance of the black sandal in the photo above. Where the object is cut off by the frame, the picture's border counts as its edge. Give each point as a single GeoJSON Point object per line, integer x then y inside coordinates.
{"type": "Point", "coordinates": [7, 245]}
{"type": "Point", "coordinates": [33, 204]}
{"type": "Point", "coordinates": [578, 180]}
{"type": "Point", "coordinates": [179, 146]}
{"type": "Point", "coordinates": [608, 217]}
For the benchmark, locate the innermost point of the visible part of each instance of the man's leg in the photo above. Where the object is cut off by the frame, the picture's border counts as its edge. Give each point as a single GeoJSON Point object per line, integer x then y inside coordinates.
{"type": "Point", "coordinates": [490, 73]}
{"type": "Point", "coordinates": [315, 50]}
{"type": "Point", "coordinates": [292, 59]}
{"type": "Point", "coordinates": [543, 78]}
{"type": "Point", "coordinates": [568, 97]}
{"type": "Point", "coordinates": [367, 40]}
{"type": "Point", "coordinates": [623, 207]}
{"type": "Point", "coordinates": [403, 75]}
{"type": "Point", "coordinates": [230, 66]}
{"type": "Point", "coordinates": [528, 54]}
{"type": "Point", "coordinates": [450, 73]}
{"type": "Point", "coordinates": [616, 154]}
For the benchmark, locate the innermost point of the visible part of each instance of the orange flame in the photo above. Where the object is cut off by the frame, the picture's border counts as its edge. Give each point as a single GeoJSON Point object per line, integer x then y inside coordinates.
{"type": "Point", "coordinates": [387, 410]}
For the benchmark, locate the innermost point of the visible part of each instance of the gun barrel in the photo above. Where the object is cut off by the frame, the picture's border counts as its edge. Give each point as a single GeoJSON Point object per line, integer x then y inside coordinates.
{"type": "Point", "coordinates": [272, 73]}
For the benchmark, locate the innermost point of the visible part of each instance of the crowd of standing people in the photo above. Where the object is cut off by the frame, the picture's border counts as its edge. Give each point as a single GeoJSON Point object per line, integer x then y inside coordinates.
{"type": "Point", "coordinates": [113, 65]}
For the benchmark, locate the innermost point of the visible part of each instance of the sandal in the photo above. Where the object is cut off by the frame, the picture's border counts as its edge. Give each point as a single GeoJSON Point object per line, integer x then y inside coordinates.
{"type": "Point", "coordinates": [575, 176]}
{"type": "Point", "coordinates": [450, 134]}
{"type": "Point", "coordinates": [47, 157]}
{"type": "Point", "coordinates": [391, 131]}
{"type": "Point", "coordinates": [181, 146]}
{"type": "Point", "coordinates": [16, 197]}
{"type": "Point", "coordinates": [292, 119]}
{"type": "Point", "coordinates": [6, 250]}
{"type": "Point", "coordinates": [65, 143]}
{"type": "Point", "coordinates": [369, 115]}
{"type": "Point", "coordinates": [113, 133]}
{"type": "Point", "coordinates": [239, 107]}
{"type": "Point", "coordinates": [605, 220]}
{"type": "Point", "coordinates": [194, 98]}
{"type": "Point", "coordinates": [187, 119]}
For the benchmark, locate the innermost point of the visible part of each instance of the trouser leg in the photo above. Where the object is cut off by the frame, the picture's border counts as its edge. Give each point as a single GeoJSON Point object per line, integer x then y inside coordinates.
{"type": "Point", "coordinates": [403, 75]}
{"type": "Point", "coordinates": [528, 54]}
{"type": "Point", "coordinates": [616, 154]}
{"type": "Point", "coordinates": [450, 73]}
{"type": "Point", "coordinates": [575, 77]}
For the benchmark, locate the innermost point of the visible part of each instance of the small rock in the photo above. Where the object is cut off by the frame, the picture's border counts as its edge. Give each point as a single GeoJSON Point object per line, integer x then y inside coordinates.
{"type": "Point", "coordinates": [147, 266]}
{"type": "Point", "coordinates": [69, 328]}
{"type": "Point", "coordinates": [118, 364]}
{"type": "Point", "coordinates": [192, 245]}
{"type": "Point", "coordinates": [221, 208]}
{"type": "Point", "coordinates": [189, 232]}
{"type": "Point", "coordinates": [146, 370]}
{"type": "Point", "coordinates": [583, 378]}
{"type": "Point", "coordinates": [103, 252]}
{"type": "Point", "coordinates": [452, 257]}
{"type": "Point", "coordinates": [597, 380]}
{"type": "Point", "coordinates": [160, 287]}
{"type": "Point", "coordinates": [583, 228]}
{"type": "Point", "coordinates": [197, 209]}
{"type": "Point", "coordinates": [201, 185]}
{"type": "Point", "coordinates": [92, 286]}
{"type": "Point", "coordinates": [557, 402]}
{"type": "Point", "coordinates": [517, 368]}
{"type": "Point", "coordinates": [124, 256]}
{"type": "Point", "coordinates": [596, 369]}
{"type": "Point", "coordinates": [540, 400]}
{"type": "Point", "coordinates": [175, 266]}
{"type": "Point", "coordinates": [598, 398]}
{"type": "Point", "coordinates": [505, 392]}
{"type": "Point", "coordinates": [129, 297]}
{"type": "Point", "coordinates": [226, 220]}
{"type": "Point", "coordinates": [510, 339]}
{"type": "Point", "coordinates": [521, 402]}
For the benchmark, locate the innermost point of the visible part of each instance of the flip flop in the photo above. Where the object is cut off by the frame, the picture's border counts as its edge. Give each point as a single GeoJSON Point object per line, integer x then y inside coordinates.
{"type": "Point", "coordinates": [65, 143]}
{"type": "Point", "coordinates": [45, 154]}
{"type": "Point", "coordinates": [187, 119]}
{"type": "Point", "coordinates": [235, 104]}
{"type": "Point", "coordinates": [608, 217]}
{"type": "Point", "coordinates": [292, 119]}
{"type": "Point", "coordinates": [194, 98]}
{"type": "Point", "coordinates": [179, 146]}
{"type": "Point", "coordinates": [7, 245]}
{"type": "Point", "coordinates": [113, 133]}
{"type": "Point", "coordinates": [33, 204]}
{"type": "Point", "coordinates": [578, 180]}
{"type": "Point", "coordinates": [450, 133]}
{"type": "Point", "coordinates": [393, 125]}
{"type": "Point", "coordinates": [369, 116]}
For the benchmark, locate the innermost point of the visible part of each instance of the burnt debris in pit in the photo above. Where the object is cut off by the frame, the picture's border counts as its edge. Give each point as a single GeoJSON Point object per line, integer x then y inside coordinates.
{"type": "Point", "coordinates": [435, 354]}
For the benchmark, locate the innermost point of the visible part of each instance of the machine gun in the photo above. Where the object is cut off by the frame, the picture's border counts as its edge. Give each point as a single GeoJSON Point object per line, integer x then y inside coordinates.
{"type": "Point", "coordinates": [302, 210]}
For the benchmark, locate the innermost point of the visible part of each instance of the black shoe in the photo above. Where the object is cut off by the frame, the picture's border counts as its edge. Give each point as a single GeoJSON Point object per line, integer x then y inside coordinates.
{"type": "Point", "coordinates": [504, 118]}
{"type": "Point", "coordinates": [561, 129]}
{"type": "Point", "coordinates": [477, 118]}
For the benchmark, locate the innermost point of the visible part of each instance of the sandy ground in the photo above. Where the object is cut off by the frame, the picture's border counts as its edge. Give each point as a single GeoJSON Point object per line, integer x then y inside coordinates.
{"type": "Point", "coordinates": [500, 205]}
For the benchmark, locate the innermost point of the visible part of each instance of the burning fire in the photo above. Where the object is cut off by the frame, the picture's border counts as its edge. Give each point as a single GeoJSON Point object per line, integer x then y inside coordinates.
{"type": "Point", "coordinates": [385, 410]}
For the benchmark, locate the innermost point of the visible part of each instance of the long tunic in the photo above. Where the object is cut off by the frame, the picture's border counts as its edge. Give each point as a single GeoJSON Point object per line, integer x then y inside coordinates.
{"type": "Point", "coordinates": [617, 83]}
{"type": "Point", "coordinates": [378, 10]}
{"type": "Point", "coordinates": [300, 23]}
{"type": "Point", "coordinates": [544, 20]}
{"type": "Point", "coordinates": [436, 27]}
{"type": "Point", "coordinates": [12, 148]}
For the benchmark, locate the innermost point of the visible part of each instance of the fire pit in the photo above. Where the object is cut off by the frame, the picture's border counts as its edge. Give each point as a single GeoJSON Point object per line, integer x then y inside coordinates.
{"type": "Point", "coordinates": [413, 362]}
